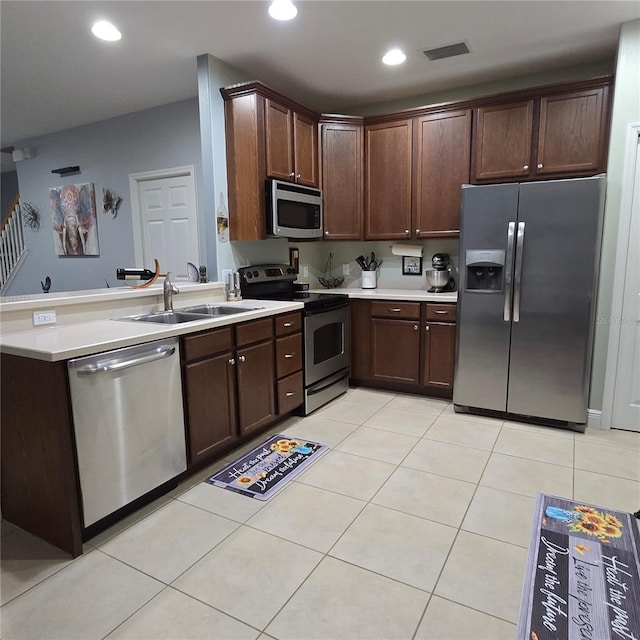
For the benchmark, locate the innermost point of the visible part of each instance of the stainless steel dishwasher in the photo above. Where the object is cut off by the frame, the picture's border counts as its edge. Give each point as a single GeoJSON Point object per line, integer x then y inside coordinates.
{"type": "Point", "coordinates": [129, 424]}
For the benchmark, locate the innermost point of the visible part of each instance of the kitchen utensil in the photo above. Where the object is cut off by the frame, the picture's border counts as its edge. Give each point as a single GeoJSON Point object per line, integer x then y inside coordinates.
{"type": "Point", "coordinates": [328, 280]}
{"type": "Point", "coordinates": [361, 263]}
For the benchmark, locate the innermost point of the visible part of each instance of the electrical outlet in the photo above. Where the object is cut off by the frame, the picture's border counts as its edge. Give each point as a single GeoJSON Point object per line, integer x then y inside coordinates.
{"type": "Point", "coordinates": [345, 269]}
{"type": "Point", "coordinates": [305, 271]}
{"type": "Point", "coordinates": [225, 275]}
{"type": "Point", "coordinates": [44, 317]}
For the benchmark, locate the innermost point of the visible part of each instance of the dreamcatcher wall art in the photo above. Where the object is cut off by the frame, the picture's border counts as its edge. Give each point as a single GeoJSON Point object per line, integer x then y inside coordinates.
{"type": "Point", "coordinates": [73, 212]}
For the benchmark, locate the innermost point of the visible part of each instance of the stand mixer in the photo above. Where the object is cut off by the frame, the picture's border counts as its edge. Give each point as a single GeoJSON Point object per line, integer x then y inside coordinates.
{"type": "Point", "coordinates": [439, 276]}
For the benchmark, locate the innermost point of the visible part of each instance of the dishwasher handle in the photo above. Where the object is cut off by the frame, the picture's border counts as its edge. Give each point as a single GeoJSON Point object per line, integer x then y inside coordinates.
{"type": "Point", "coordinates": [118, 365]}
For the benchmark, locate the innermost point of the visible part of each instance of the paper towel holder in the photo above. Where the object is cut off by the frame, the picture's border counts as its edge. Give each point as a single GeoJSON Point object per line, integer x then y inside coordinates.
{"type": "Point", "coordinates": [411, 250]}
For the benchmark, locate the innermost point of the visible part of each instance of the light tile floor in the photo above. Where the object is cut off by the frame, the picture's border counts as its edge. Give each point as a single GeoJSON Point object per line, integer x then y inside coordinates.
{"type": "Point", "coordinates": [414, 526]}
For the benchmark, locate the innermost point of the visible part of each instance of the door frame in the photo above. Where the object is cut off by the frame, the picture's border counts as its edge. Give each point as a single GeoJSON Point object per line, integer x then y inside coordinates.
{"type": "Point", "coordinates": [622, 254]}
{"type": "Point", "coordinates": [136, 221]}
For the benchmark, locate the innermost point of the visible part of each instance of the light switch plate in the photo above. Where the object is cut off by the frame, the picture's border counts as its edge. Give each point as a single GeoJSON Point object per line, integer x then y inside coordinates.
{"type": "Point", "coordinates": [44, 317]}
{"type": "Point", "coordinates": [225, 275]}
{"type": "Point", "coordinates": [305, 271]}
{"type": "Point", "coordinates": [345, 269]}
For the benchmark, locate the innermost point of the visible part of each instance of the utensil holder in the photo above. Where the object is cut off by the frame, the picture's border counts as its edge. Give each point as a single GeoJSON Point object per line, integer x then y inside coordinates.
{"type": "Point", "coordinates": [369, 279]}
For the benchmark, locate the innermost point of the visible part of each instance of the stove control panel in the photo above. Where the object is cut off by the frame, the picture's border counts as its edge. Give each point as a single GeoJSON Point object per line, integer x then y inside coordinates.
{"type": "Point", "coordinates": [267, 273]}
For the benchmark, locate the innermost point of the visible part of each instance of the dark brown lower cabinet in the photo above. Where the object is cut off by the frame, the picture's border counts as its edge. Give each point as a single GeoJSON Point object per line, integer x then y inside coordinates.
{"type": "Point", "coordinates": [395, 345]}
{"type": "Point", "coordinates": [439, 347]}
{"type": "Point", "coordinates": [210, 397]}
{"type": "Point", "coordinates": [395, 350]}
{"type": "Point", "coordinates": [256, 386]}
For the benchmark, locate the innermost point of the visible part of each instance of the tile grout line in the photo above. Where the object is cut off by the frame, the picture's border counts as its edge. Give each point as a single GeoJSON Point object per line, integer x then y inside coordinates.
{"type": "Point", "coordinates": [455, 539]}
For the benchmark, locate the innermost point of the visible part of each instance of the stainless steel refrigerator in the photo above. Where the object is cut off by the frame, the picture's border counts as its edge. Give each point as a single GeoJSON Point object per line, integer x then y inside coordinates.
{"type": "Point", "coordinates": [529, 256]}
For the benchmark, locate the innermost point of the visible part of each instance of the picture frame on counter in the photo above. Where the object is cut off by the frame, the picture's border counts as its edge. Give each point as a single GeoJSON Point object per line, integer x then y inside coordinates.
{"type": "Point", "coordinates": [411, 266]}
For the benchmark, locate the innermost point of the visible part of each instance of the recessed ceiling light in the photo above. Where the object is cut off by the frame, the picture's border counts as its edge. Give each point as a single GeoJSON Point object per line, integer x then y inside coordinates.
{"type": "Point", "coordinates": [282, 10]}
{"type": "Point", "coordinates": [105, 31]}
{"type": "Point", "coordinates": [394, 56]}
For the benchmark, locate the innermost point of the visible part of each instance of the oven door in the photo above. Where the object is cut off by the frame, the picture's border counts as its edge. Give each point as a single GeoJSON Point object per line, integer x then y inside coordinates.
{"type": "Point", "coordinates": [326, 341]}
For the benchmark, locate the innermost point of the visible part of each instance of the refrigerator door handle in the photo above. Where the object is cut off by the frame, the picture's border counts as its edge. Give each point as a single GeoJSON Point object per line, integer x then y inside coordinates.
{"type": "Point", "coordinates": [508, 271]}
{"type": "Point", "coordinates": [518, 273]}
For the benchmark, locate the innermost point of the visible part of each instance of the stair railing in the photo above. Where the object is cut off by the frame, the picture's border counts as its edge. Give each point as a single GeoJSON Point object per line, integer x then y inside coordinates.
{"type": "Point", "coordinates": [12, 249]}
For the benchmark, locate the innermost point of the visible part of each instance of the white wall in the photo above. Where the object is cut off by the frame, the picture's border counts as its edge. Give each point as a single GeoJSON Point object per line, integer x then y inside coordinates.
{"type": "Point", "coordinates": [626, 109]}
{"type": "Point", "coordinates": [107, 152]}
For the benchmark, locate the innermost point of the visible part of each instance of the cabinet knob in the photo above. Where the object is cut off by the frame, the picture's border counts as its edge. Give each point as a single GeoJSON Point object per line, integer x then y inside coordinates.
{"type": "Point", "coordinates": [326, 233]}
{"type": "Point", "coordinates": [540, 166]}
{"type": "Point", "coordinates": [292, 175]}
{"type": "Point", "coordinates": [241, 358]}
{"type": "Point", "coordinates": [415, 327]}
{"type": "Point", "coordinates": [290, 393]}
{"type": "Point", "coordinates": [417, 231]}
{"type": "Point", "coordinates": [526, 167]}
{"type": "Point", "coordinates": [426, 327]}
{"type": "Point", "coordinates": [297, 177]}
{"type": "Point", "coordinates": [232, 361]}
{"type": "Point", "coordinates": [289, 355]}
{"type": "Point", "coordinates": [407, 232]}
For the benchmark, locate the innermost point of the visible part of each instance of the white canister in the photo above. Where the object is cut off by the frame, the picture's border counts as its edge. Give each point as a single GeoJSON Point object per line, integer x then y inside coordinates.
{"type": "Point", "coordinates": [369, 279]}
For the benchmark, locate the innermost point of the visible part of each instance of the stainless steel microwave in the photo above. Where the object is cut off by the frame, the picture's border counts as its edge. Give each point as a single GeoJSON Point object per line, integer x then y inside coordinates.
{"type": "Point", "coordinates": [293, 211]}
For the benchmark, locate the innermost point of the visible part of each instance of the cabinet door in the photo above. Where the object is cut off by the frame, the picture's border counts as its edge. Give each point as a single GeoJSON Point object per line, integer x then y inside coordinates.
{"type": "Point", "coordinates": [305, 150]}
{"type": "Point", "coordinates": [395, 350]}
{"type": "Point", "coordinates": [572, 132]}
{"type": "Point", "coordinates": [503, 141]}
{"type": "Point", "coordinates": [342, 185]}
{"type": "Point", "coordinates": [360, 327]}
{"type": "Point", "coordinates": [439, 354]}
{"type": "Point", "coordinates": [442, 158]}
{"type": "Point", "coordinates": [388, 180]}
{"type": "Point", "coordinates": [278, 141]}
{"type": "Point", "coordinates": [210, 406]}
{"type": "Point", "coordinates": [256, 386]}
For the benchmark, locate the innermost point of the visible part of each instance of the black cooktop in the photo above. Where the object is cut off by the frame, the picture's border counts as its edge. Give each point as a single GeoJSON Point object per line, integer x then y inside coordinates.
{"type": "Point", "coordinates": [276, 282]}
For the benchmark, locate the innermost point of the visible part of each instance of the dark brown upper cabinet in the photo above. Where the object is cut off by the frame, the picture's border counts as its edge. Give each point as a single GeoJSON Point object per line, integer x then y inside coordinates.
{"type": "Point", "coordinates": [503, 140]}
{"type": "Point", "coordinates": [442, 150]}
{"type": "Point", "coordinates": [342, 159]}
{"type": "Point", "coordinates": [573, 132]}
{"type": "Point", "coordinates": [267, 135]}
{"type": "Point", "coordinates": [388, 180]}
{"type": "Point", "coordinates": [560, 134]}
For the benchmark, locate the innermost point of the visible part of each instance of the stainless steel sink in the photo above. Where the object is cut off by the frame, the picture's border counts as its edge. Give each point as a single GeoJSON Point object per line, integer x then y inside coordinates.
{"type": "Point", "coordinates": [190, 314]}
{"type": "Point", "coordinates": [166, 317]}
{"type": "Point", "coordinates": [215, 310]}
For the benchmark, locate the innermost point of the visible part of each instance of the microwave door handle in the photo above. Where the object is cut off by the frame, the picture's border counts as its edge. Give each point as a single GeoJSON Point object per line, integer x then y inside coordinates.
{"type": "Point", "coordinates": [517, 285]}
{"type": "Point", "coordinates": [508, 271]}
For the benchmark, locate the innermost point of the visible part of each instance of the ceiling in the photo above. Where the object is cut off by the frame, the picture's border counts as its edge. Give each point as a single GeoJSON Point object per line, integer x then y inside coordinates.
{"type": "Point", "coordinates": [56, 75]}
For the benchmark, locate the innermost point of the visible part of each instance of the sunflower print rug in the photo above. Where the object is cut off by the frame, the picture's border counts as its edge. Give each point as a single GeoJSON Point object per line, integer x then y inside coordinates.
{"type": "Point", "coordinates": [583, 573]}
{"type": "Point", "coordinates": [268, 467]}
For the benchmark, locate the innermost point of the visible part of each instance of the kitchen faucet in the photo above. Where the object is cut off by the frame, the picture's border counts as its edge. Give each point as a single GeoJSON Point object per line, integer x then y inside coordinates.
{"type": "Point", "coordinates": [168, 290]}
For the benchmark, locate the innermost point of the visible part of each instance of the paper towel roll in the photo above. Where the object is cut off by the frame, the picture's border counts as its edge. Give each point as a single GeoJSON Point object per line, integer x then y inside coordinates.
{"type": "Point", "coordinates": [412, 250]}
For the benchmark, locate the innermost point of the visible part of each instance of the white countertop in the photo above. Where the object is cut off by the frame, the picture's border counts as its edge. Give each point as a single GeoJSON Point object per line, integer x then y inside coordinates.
{"type": "Point", "coordinates": [410, 295]}
{"type": "Point", "coordinates": [73, 340]}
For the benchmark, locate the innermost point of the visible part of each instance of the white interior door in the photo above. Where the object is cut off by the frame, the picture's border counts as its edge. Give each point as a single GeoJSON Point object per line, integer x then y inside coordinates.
{"type": "Point", "coordinates": [168, 221]}
{"type": "Point", "coordinates": [626, 395]}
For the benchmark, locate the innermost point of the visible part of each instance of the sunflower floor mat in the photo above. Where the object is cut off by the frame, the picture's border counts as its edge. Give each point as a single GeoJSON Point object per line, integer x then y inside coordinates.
{"type": "Point", "coordinates": [268, 467]}
{"type": "Point", "coordinates": [583, 573]}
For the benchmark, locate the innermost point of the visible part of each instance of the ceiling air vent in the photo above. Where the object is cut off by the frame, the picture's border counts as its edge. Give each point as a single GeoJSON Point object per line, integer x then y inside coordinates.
{"type": "Point", "coordinates": [446, 52]}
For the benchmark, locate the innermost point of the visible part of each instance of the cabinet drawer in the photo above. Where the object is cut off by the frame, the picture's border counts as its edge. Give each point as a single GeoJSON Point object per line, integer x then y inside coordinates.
{"type": "Point", "coordinates": [392, 309]}
{"type": "Point", "coordinates": [441, 312]}
{"type": "Point", "coordinates": [288, 355]}
{"type": "Point", "coordinates": [207, 343]}
{"type": "Point", "coordinates": [249, 332]}
{"type": "Point", "coordinates": [288, 323]}
{"type": "Point", "coordinates": [289, 393]}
